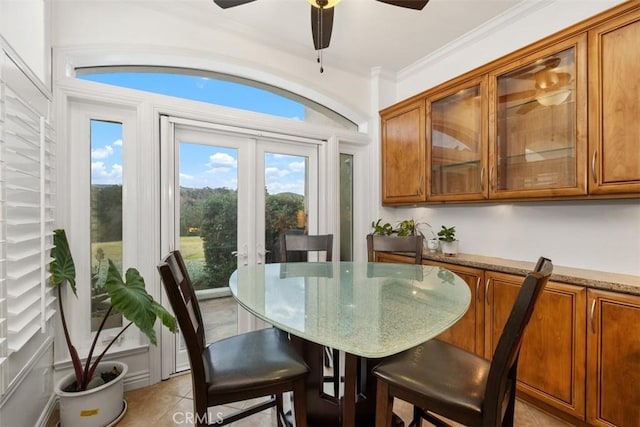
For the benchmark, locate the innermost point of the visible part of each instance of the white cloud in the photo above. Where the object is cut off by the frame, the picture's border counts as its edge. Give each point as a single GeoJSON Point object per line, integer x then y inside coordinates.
{"type": "Point", "coordinates": [222, 160]}
{"type": "Point", "coordinates": [101, 174]}
{"type": "Point", "coordinates": [274, 172]}
{"type": "Point", "coordinates": [117, 143]}
{"type": "Point", "coordinates": [298, 166]}
{"type": "Point", "coordinates": [219, 170]}
{"type": "Point", "coordinates": [277, 187]}
{"type": "Point", "coordinates": [186, 177]}
{"type": "Point", "coordinates": [102, 153]}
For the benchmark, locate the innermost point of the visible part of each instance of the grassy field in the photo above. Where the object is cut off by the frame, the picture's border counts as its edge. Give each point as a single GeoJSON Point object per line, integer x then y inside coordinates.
{"type": "Point", "coordinates": [190, 247]}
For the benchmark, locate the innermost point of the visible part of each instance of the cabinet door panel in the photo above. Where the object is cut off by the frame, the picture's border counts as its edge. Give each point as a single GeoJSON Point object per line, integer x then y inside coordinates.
{"type": "Point", "coordinates": [538, 123]}
{"type": "Point", "coordinates": [613, 359]}
{"type": "Point", "coordinates": [403, 153]}
{"type": "Point", "coordinates": [468, 332]}
{"type": "Point", "coordinates": [457, 142]}
{"type": "Point", "coordinates": [552, 358]}
{"type": "Point", "coordinates": [614, 70]}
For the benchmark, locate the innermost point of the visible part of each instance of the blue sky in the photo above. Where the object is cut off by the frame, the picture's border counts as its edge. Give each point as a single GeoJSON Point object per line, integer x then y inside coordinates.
{"type": "Point", "coordinates": [200, 166]}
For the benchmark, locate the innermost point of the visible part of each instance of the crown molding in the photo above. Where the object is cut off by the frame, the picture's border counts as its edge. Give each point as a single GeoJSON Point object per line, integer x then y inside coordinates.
{"type": "Point", "coordinates": [517, 12]}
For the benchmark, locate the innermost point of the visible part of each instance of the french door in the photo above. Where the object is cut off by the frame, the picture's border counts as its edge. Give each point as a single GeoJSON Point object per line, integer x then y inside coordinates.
{"type": "Point", "coordinates": [228, 193]}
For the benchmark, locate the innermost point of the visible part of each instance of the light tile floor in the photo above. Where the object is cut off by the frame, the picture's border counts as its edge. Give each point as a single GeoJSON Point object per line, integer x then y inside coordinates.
{"type": "Point", "coordinates": [169, 402]}
{"type": "Point", "coordinates": [166, 403]}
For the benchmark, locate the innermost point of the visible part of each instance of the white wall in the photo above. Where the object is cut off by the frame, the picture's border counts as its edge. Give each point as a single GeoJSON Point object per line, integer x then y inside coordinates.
{"type": "Point", "coordinates": [596, 235]}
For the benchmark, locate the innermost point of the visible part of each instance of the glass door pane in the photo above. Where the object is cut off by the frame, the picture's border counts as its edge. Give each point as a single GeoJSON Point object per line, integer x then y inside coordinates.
{"type": "Point", "coordinates": [536, 125]}
{"type": "Point", "coordinates": [106, 216]}
{"type": "Point", "coordinates": [208, 200]}
{"type": "Point", "coordinates": [286, 204]}
{"type": "Point", "coordinates": [234, 194]}
{"type": "Point", "coordinates": [456, 143]}
{"type": "Point", "coordinates": [346, 207]}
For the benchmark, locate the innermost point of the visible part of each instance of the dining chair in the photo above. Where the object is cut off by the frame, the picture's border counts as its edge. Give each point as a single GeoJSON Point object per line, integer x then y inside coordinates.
{"type": "Point", "coordinates": [439, 378]}
{"type": "Point", "coordinates": [301, 245]}
{"type": "Point", "coordinates": [409, 244]}
{"type": "Point", "coordinates": [305, 243]}
{"type": "Point", "coordinates": [262, 363]}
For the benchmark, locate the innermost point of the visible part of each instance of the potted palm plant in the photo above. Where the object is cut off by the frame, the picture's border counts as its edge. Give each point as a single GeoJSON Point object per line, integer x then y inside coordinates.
{"type": "Point", "coordinates": [93, 394]}
{"type": "Point", "coordinates": [448, 242]}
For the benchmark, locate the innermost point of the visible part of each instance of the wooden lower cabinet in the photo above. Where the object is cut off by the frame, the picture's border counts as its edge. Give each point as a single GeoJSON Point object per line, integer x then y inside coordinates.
{"type": "Point", "coordinates": [468, 332]}
{"type": "Point", "coordinates": [613, 359]}
{"type": "Point", "coordinates": [552, 358]}
{"type": "Point", "coordinates": [580, 354]}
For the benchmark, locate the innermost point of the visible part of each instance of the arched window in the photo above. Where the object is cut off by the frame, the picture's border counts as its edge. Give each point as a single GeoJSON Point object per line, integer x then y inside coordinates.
{"type": "Point", "coordinates": [218, 89]}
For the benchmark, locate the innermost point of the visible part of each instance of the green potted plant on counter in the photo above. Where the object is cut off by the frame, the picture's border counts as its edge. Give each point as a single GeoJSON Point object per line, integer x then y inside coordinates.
{"type": "Point", "coordinates": [93, 394]}
{"type": "Point", "coordinates": [448, 242]}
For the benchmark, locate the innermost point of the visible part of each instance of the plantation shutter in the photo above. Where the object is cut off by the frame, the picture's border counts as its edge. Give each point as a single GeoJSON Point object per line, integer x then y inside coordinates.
{"type": "Point", "coordinates": [27, 155]}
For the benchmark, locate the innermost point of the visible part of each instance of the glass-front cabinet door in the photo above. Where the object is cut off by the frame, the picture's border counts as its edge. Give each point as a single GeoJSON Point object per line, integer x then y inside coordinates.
{"type": "Point", "coordinates": [538, 123]}
{"type": "Point", "coordinates": [456, 142]}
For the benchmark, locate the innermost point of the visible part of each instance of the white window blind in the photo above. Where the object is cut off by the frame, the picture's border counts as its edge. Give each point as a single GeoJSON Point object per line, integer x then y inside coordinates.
{"type": "Point", "coordinates": [27, 154]}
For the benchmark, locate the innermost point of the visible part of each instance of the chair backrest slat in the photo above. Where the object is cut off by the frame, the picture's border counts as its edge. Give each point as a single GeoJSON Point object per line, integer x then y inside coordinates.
{"type": "Point", "coordinates": [408, 244]}
{"type": "Point", "coordinates": [502, 374]}
{"type": "Point", "coordinates": [184, 303]}
{"type": "Point", "coordinates": [305, 243]}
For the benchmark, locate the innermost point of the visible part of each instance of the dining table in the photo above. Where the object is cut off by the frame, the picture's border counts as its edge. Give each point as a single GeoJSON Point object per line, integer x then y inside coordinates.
{"type": "Point", "coordinates": [364, 310]}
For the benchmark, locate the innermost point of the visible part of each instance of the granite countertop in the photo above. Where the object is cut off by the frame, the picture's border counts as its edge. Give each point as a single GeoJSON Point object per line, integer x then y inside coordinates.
{"type": "Point", "coordinates": [624, 283]}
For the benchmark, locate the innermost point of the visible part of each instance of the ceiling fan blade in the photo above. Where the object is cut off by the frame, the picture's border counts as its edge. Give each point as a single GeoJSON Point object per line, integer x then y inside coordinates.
{"type": "Point", "coordinates": [226, 4]}
{"type": "Point", "coordinates": [321, 26]}
{"type": "Point", "coordinates": [530, 71]}
{"type": "Point", "coordinates": [517, 96]}
{"type": "Point", "coordinates": [409, 4]}
{"type": "Point", "coordinates": [529, 106]}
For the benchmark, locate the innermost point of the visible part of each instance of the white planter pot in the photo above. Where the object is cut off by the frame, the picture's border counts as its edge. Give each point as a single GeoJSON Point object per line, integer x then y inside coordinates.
{"type": "Point", "coordinates": [99, 406]}
{"type": "Point", "coordinates": [449, 248]}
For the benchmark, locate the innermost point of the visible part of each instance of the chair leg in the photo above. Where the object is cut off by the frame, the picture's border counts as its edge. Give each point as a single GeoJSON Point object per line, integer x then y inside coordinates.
{"type": "Point", "coordinates": [509, 414]}
{"type": "Point", "coordinates": [328, 357]}
{"type": "Point", "coordinates": [384, 405]}
{"type": "Point", "coordinates": [336, 373]}
{"type": "Point", "coordinates": [300, 402]}
{"type": "Point", "coordinates": [280, 411]}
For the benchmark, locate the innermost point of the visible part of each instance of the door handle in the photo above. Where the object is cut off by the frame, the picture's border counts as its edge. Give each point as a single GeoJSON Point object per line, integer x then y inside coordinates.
{"type": "Point", "coordinates": [592, 315]}
{"type": "Point", "coordinates": [262, 253]}
{"type": "Point", "coordinates": [486, 291]}
{"type": "Point", "coordinates": [243, 256]}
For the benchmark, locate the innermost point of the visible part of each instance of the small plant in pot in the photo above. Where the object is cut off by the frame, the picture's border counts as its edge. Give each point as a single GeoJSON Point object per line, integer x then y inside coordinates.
{"type": "Point", "coordinates": [93, 382]}
{"type": "Point", "coordinates": [448, 242]}
{"type": "Point", "coordinates": [407, 227]}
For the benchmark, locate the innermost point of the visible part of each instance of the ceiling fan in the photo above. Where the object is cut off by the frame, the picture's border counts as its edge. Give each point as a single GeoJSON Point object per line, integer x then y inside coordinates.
{"type": "Point", "coordinates": [322, 17]}
{"type": "Point", "coordinates": [551, 85]}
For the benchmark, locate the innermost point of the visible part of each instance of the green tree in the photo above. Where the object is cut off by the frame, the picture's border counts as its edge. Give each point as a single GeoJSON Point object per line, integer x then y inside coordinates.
{"type": "Point", "coordinates": [106, 204]}
{"type": "Point", "coordinates": [281, 215]}
{"type": "Point", "coordinates": [219, 236]}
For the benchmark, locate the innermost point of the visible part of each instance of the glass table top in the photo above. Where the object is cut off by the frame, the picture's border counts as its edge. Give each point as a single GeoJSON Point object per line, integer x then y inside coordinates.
{"type": "Point", "coordinates": [367, 309]}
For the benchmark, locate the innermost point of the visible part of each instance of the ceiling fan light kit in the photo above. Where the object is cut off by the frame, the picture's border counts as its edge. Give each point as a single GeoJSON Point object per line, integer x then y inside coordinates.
{"type": "Point", "coordinates": [323, 3]}
{"type": "Point", "coordinates": [322, 17]}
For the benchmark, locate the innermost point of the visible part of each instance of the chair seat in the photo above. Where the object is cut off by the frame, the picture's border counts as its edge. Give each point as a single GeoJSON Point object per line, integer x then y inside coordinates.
{"type": "Point", "coordinates": [252, 360]}
{"type": "Point", "coordinates": [440, 377]}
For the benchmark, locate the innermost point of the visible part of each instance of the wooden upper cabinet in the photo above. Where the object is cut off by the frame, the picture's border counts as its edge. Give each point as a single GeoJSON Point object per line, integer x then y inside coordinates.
{"type": "Point", "coordinates": [538, 123]}
{"type": "Point", "coordinates": [403, 153]}
{"type": "Point", "coordinates": [614, 102]}
{"type": "Point", "coordinates": [457, 142]}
